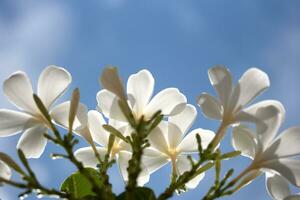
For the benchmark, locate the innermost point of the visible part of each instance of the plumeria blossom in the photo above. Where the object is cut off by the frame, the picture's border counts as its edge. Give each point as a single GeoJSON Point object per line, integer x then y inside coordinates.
{"type": "Point", "coordinates": [5, 171]}
{"type": "Point", "coordinates": [269, 153]}
{"type": "Point", "coordinates": [230, 106]}
{"type": "Point", "coordinates": [140, 88]}
{"type": "Point", "coordinates": [278, 188]}
{"type": "Point", "coordinates": [171, 143]}
{"type": "Point", "coordinates": [89, 124]}
{"type": "Point", "coordinates": [52, 83]}
{"type": "Point", "coordinates": [121, 151]}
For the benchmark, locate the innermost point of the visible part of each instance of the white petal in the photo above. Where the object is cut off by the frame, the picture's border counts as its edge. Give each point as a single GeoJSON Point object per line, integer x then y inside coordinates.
{"type": "Point", "coordinates": [33, 142]}
{"type": "Point", "coordinates": [185, 119]}
{"type": "Point", "coordinates": [18, 89]}
{"type": "Point", "coordinates": [271, 119]}
{"type": "Point", "coordinates": [123, 159]}
{"type": "Point", "coordinates": [117, 124]}
{"type": "Point", "coordinates": [53, 82]}
{"type": "Point", "coordinates": [174, 135]}
{"type": "Point", "coordinates": [170, 101]}
{"type": "Point", "coordinates": [288, 168]}
{"type": "Point", "coordinates": [139, 89]}
{"type": "Point", "coordinates": [154, 160]}
{"type": "Point", "coordinates": [183, 165]}
{"type": "Point", "coordinates": [293, 197]}
{"type": "Point", "coordinates": [252, 110]}
{"type": "Point", "coordinates": [221, 80]}
{"type": "Point", "coordinates": [277, 186]}
{"type": "Point", "coordinates": [109, 106]}
{"type": "Point", "coordinates": [5, 171]}
{"type": "Point", "coordinates": [210, 106]}
{"type": "Point", "coordinates": [252, 83]}
{"type": "Point", "coordinates": [96, 122]}
{"type": "Point", "coordinates": [189, 142]}
{"type": "Point", "coordinates": [158, 141]}
{"type": "Point", "coordinates": [87, 156]}
{"type": "Point", "coordinates": [243, 139]}
{"type": "Point", "coordinates": [60, 115]}
{"type": "Point", "coordinates": [287, 144]}
{"type": "Point", "coordinates": [12, 122]}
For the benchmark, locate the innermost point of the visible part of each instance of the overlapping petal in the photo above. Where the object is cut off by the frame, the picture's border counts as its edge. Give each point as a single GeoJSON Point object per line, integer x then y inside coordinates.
{"type": "Point", "coordinates": [252, 83]}
{"type": "Point", "coordinates": [210, 106]}
{"type": "Point", "coordinates": [170, 101]}
{"type": "Point", "coordinates": [183, 164]}
{"type": "Point", "coordinates": [243, 139]}
{"type": "Point", "coordinates": [221, 80]}
{"type": "Point", "coordinates": [53, 82]}
{"type": "Point", "coordinates": [33, 142]}
{"type": "Point", "coordinates": [12, 122]}
{"type": "Point", "coordinates": [189, 143]}
{"type": "Point", "coordinates": [109, 106]}
{"type": "Point", "coordinates": [139, 89]}
{"type": "Point", "coordinates": [154, 160]}
{"type": "Point", "coordinates": [286, 145]}
{"type": "Point", "coordinates": [287, 167]}
{"type": "Point", "coordinates": [95, 124]}
{"type": "Point", "coordinates": [158, 141]}
{"type": "Point", "coordinates": [272, 119]}
{"type": "Point", "coordinates": [18, 89]}
{"type": "Point", "coordinates": [87, 156]}
{"type": "Point", "coordinates": [60, 115]}
{"type": "Point", "coordinates": [184, 120]}
{"type": "Point", "coordinates": [277, 186]}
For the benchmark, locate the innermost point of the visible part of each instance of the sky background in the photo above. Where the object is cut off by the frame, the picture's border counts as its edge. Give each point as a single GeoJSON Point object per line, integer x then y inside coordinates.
{"type": "Point", "coordinates": [178, 41]}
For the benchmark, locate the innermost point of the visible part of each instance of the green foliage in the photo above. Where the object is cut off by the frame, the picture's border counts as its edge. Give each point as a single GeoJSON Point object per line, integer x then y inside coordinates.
{"type": "Point", "coordinates": [140, 193]}
{"type": "Point", "coordinates": [79, 187]}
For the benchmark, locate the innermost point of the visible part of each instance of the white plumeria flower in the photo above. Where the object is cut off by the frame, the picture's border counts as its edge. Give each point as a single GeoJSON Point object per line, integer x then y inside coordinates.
{"type": "Point", "coordinates": [121, 151]}
{"type": "Point", "coordinates": [52, 83]}
{"type": "Point", "coordinates": [60, 115]}
{"type": "Point", "coordinates": [5, 171]}
{"type": "Point", "coordinates": [278, 188]}
{"type": "Point", "coordinates": [268, 152]}
{"type": "Point", "coordinates": [231, 102]}
{"type": "Point", "coordinates": [170, 143]}
{"type": "Point", "coordinates": [140, 88]}
{"type": "Point", "coordinates": [90, 126]}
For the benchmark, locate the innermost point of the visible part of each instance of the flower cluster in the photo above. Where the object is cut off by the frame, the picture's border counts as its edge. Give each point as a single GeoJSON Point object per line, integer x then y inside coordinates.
{"type": "Point", "coordinates": [142, 132]}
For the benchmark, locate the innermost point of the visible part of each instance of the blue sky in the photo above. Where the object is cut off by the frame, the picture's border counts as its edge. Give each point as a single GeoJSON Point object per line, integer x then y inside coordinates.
{"type": "Point", "coordinates": [176, 40]}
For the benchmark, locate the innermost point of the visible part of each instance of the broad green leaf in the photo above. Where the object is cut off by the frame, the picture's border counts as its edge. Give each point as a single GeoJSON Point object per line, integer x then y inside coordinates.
{"type": "Point", "coordinates": [79, 186]}
{"type": "Point", "coordinates": [140, 193]}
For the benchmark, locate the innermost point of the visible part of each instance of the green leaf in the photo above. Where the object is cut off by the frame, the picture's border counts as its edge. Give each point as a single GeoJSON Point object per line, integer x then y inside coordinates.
{"type": "Point", "coordinates": [140, 193]}
{"type": "Point", "coordinates": [10, 162]}
{"type": "Point", "coordinates": [73, 107]}
{"type": "Point", "coordinates": [79, 186]}
{"type": "Point", "coordinates": [114, 132]}
{"type": "Point", "coordinates": [111, 81]}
